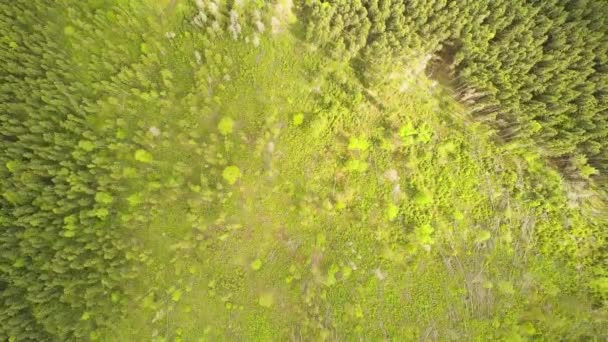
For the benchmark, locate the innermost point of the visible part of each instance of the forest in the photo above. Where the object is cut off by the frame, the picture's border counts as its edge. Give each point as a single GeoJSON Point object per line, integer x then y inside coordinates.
{"type": "Point", "coordinates": [325, 170]}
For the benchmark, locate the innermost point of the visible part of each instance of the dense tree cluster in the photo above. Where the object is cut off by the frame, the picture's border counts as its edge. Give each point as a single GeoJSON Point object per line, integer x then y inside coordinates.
{"type": "Point", "coordinates": [62, 259]}
{"type": "Point", "coordinates": [66, 94]}
{"type": "Point", "coordinates": [537, 68]}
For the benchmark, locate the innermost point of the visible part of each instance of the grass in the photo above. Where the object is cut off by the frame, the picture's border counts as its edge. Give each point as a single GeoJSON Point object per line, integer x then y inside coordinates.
{"type": "Point", "coordinates": [266, 212]}
{"type": "Point", "coordinates": [268, 195]}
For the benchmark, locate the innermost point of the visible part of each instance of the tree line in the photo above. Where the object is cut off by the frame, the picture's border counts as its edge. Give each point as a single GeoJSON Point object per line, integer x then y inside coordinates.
{"type": "Point", "coordinates": [62, 258]}
{"type": "Point", "coordinates": [537, 69]}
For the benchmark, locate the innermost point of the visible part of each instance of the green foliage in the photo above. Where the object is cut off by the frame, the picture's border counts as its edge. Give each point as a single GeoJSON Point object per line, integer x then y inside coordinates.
{"type": "Point", "coordinates": [256, 264]}
{"type": "Point", "coordinates": [143, 156]}
{"type": "Point", "coordinates": [231, 174]}
{"type": "Point", "coordinates": [356, 165]}
{"type": "Point", "coordinates": [298, 119]}
{"type": "Point", "coordinates": [538, 70]}
{"type": "Point", "coordinates": [383, 212]}
{"type": "Point", "coordinates": [392, 211]}
{"type": "Point", "coordinates": [360, 144]}
{"type": "Point", "coordinates": [423, 197]}
{"type": "Point", "coordinates": [61, 255]}
{"type": "Point", "coordinates": [225, 126]}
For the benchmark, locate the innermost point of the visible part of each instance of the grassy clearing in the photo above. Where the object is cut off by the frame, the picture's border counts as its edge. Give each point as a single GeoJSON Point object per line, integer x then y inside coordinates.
{"type": "Point", "coordinates": [276, 199]}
